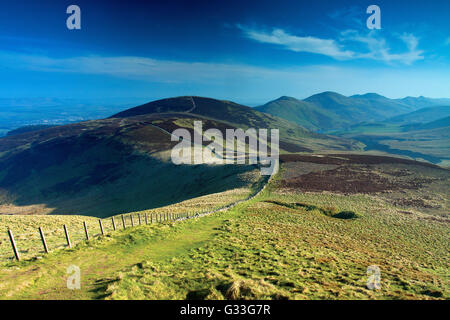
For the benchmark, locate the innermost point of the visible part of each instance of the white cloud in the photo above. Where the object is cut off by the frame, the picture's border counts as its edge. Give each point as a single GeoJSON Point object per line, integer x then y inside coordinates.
{"type": "Point", "coordinates": [378, 48]}
{"type": "Point", "coordinates": [326, 47]}
{"type": "Point", "coordinates": [141, 68]}
{"type": "Point", "coordinates": [240, 81]}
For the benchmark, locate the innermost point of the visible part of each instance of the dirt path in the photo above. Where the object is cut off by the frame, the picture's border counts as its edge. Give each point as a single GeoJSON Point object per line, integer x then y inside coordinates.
{"type": "Point", "coordinates": [193, 105]}
{"type": "Point", "coordinates": [101, 262]}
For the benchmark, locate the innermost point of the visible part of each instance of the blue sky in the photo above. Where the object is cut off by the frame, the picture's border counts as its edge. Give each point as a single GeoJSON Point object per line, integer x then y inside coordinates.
{"type": "Point", "coordinates": [246, 51]}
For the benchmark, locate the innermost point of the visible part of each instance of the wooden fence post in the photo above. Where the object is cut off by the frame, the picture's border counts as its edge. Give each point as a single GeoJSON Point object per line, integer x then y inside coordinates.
{"type": "Point", "coordinates": [101, 226]}
{"type": "Point", "coordinates": [139, 217]}
{"type": "Point", "coordinates": [43, 240]}
{"type": "Point", "coordinates": [113, 223]}
{"type": "Point", "coordinates": [67, 236]}
{"type": "Point", "coordinates": [131, 217]}
{"type": "Point", "coordinates": [86, 230]}
{"type": "Point", "coordinates": [13, 243]}
{"type": "Point", "coordinates": [146, 221]}
{"type": "Point", "coordinates": [151, 218]}
{"type": "Point", "coordinates": [123, 222]}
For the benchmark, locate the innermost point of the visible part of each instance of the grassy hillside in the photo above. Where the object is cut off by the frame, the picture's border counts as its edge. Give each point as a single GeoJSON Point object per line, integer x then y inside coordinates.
{"type": "Point", "coordinates": [423, 102]}
{"type": "Point", "coordinates": [28, 241]}
{"type": "Point", "coordinates": [101, 168]}
{"type": "Point", "coordinates": [293, 138]}
{"type": "Point", "coordinates": [422, 115]}
{"type": "Point", "coordinates": [284, 244]}
{"type": "Point", "coordinates": [436, 124]}
{"type": "Point", "coordinates": [330, 111]}
{"type": "Point", "coordinates": [29, 128]}
{"type": "Point", "coordinates": [358, 108]}
{"type": "Point", "coordinates": [422, 134]}
{"type": "Point", "coordinates": [116, 165]}
{"type": "Point", "coordinates": [303, 113]}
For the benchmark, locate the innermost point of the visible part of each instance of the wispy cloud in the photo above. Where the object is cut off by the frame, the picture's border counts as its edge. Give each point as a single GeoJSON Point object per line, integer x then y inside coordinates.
{"type": "Point", "coordinates": [239, 80]}
{"type": "Point", "coordinates": [326, 47]}
{"type": "Point", "coordinates": [376, 47]}
{"type": "Point", "coordinates": [447, 41]}
{"type": "Point", "coordinates": [134, 67]}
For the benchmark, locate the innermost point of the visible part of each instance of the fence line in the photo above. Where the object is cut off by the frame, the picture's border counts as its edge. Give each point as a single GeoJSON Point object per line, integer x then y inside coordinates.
{"type": "Point", "coordinates": [154, 218]}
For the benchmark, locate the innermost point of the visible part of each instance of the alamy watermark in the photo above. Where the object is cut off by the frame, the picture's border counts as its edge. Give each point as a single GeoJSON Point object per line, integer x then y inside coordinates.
{"type": "Point", "coordinates": [238, 147]}
{"type": "Point", "coordinates": [374, 21]}
{"type": "Point", "coordinates": [374, 280]}
{"type": "Point", "coordinates": [73, 21]}
{"type": "Point", "coordinates": [74, 279]}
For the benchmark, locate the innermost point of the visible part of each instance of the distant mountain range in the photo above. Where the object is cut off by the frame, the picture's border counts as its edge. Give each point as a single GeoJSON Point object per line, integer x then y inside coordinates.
{"type": "Point", "coordinates": [329, 111]}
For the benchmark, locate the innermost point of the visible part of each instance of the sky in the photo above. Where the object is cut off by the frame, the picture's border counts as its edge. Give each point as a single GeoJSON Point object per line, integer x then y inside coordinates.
{"type": "Point", "coordinates": [246, 51]}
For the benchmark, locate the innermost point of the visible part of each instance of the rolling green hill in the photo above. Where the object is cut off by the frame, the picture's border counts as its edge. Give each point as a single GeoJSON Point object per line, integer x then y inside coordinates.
{"type": "Point", "coordinates": [311, 234]}
{"type": "Point", "coordinates": [428, 141]}
{"type": "Point", "coordinates": [440, 123]}
{"type": "Point", "coordinates": [329, 111]}
{"type": "Point", "coordinates": [110, 166]}
{"type": "Point", "coordinates": [102, 168]}
{"type": "Point", "coordinates": [422, 115]}
{"type": "Point", "coordinates": [355, 109]}
{"type": "Point", "coordinates": [423, 102]}
{"type": "Point", "coordinates": [303, 113]}
{"type": "Point", "coordinates": [293, 137]}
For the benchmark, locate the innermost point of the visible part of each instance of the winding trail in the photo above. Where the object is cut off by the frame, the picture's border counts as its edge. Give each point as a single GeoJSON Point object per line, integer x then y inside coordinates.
{"type": "Point", "coordinates": [193, 105]}
{"type": "Point", "coordinates": [102, 260]}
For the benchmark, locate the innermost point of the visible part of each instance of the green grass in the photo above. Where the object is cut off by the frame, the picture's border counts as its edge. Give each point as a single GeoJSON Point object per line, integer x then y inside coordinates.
{"type": "Point", "coordinates": [101, 260]}
{"type": "Point", "coordinates": [280, 245]}
{"type": "Point", "coordinates": [29, 243]}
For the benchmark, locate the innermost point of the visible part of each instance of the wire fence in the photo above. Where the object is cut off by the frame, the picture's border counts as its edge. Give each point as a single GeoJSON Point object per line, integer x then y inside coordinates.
{"type": "Point", "coordinates": [33, 244]}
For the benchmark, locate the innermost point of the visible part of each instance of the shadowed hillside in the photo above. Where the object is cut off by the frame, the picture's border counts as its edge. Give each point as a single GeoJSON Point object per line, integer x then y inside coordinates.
{"type": "Point", "coordinates": [102, 168]}
{"type": "Point", "coordinates": [116, 165]}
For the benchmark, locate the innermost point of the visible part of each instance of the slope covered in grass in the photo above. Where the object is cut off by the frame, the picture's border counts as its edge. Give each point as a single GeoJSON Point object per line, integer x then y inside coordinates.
{"type": "Point", "coordinates": [328, 111]}
{"type": "Point", "coordinates": [293, 137]}
{"type": "Point", "coordinates": [301, 112]}
{"type": "Point", "coordinates": [283, 244]}
{"type": "Point", "coordinates": [422, 115]}
{"type": "Point", "coordinates": [101, 168]}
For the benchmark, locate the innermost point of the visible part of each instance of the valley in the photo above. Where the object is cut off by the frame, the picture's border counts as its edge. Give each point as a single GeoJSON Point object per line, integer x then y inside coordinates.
{"type": "Point", "coordinates": [417, 128]}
